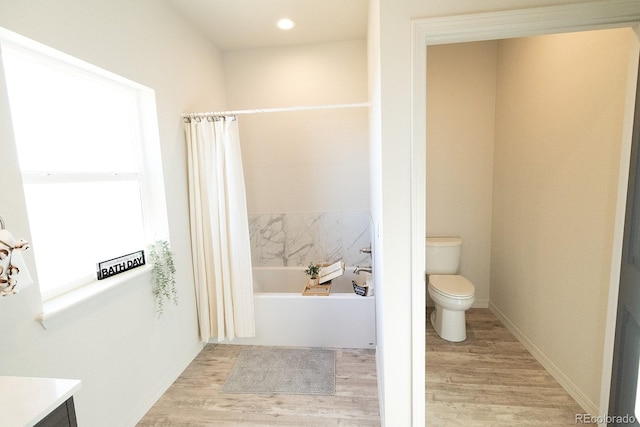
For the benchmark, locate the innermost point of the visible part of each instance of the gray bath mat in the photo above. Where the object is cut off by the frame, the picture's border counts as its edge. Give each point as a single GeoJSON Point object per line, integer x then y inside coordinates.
{"type": "Point", "coordinates": [283, 370]}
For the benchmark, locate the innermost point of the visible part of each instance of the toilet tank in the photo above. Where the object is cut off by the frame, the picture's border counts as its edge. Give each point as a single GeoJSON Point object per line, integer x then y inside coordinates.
{"type": "Point", "coordinates": [443, 254]}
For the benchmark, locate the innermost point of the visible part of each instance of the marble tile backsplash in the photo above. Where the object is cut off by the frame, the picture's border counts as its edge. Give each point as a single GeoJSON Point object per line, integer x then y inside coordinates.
{"type": "Point", "coordinates": [295, 239]}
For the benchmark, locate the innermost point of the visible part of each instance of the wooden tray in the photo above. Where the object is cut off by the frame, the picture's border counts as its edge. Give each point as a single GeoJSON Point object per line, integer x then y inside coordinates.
{"type": "Point", "coordinates": [317, 290]}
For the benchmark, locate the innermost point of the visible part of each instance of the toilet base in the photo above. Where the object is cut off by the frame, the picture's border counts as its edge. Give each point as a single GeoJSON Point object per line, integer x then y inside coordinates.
{"type": "Point", "coordinates": [455, 327]}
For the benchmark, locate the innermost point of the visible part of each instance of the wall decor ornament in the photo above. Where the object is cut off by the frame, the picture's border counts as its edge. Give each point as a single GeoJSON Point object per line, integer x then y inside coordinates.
{"type": "Point", "coordinates": [12, 267]}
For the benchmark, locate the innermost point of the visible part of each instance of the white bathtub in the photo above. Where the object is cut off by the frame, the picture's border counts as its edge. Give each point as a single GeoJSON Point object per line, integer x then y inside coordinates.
{"type": "Point", "coordinates": [284, 317]}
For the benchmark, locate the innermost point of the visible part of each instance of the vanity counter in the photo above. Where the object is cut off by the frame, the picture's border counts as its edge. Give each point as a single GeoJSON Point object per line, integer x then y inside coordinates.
{"type": "Point", "coordinates": [27, 402]}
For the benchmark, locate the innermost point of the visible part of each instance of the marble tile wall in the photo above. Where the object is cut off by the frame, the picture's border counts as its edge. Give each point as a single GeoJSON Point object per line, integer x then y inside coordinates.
{"type": "Point", "coordinates": [296, 239]}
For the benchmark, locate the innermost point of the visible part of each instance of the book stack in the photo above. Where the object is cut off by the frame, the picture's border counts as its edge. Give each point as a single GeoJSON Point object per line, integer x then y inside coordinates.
{"type": "Point", "coordinates": [331, 271]}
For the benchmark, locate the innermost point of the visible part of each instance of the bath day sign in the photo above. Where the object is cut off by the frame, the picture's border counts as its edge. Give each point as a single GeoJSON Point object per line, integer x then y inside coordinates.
{"type": "Point", "coordinates": [120, 264]}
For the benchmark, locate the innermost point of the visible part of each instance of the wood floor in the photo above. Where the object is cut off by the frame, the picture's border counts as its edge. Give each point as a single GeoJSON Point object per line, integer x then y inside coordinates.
{"type": "Point", "coordinates": [195, 398]}
{"type": "Point", "coordinates": [491, 380]}
{"type": "Point", "coordinates": [488, 380]}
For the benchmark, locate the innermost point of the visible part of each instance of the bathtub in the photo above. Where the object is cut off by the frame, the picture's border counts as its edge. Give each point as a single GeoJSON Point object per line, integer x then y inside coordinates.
{"type": "Point", "coordinates": [284, 317]}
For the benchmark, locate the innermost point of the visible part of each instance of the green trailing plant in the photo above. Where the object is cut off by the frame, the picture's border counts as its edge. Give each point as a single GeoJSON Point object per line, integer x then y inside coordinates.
{"type": "Point", "coordinates": [313, 270]}
{"type": "Point", "coordinates": [163, 272]}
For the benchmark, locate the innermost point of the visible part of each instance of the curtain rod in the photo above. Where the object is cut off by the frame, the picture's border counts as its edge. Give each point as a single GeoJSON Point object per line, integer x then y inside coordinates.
{"type": "Point", "coordinates": [275, 110]}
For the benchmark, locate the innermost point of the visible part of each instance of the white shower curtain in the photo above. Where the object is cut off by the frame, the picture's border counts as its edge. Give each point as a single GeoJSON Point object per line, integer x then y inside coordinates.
{"type": "Point", "coordinates": [219, 229]}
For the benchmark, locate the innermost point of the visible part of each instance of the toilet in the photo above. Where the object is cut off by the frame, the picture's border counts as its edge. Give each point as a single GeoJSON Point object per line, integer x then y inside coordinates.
{"type": "Point", "coordinates": [452, 293]}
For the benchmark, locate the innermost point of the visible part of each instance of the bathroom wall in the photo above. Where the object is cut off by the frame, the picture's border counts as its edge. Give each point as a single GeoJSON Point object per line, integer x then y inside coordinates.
{"type": "Point", "coordinates": [123, 354]}
{"type": "Point", "coordinates": [461, 95]}
{"type": "Point", "coordinates": [307, 172]}
{"type": "Point", "coordinates": [559, 116]}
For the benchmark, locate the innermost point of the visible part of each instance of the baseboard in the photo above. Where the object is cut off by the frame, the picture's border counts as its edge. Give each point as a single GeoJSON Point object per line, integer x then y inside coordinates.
{"type": "Point", "coordinates": [555, 372]}
{"type": "Point", "coordinates": [483, 303]}
{"type": "Point", "coordinates": [166, 382]}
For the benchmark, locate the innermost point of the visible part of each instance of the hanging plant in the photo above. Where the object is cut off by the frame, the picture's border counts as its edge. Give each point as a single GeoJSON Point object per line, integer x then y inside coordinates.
{"type": "Point", "coordinates": [163, 272]}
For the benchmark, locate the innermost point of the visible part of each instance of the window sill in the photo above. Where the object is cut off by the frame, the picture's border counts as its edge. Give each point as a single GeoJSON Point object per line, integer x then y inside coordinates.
{"type": "Point", "coordinates": [66, 307]}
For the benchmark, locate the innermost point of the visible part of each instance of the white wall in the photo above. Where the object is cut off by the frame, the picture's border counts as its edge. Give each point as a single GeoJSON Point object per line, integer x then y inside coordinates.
{"type": "Point", "coordinates": [305, 161]}
{"type": "Point", "coordinates": [312, 74]}
{"type": "Point", "coordinates": [308, 161]}
{"type": "Point", "coordinates": [306, 172]}
{"type": "Point", "coordinates": [461, 89]}
{"type": "Point", "coordinates": [122, 353]}
{"type": "Point", "coordinates": [375, 162]}
{"type": "Point", "coordinates": [559, 116]}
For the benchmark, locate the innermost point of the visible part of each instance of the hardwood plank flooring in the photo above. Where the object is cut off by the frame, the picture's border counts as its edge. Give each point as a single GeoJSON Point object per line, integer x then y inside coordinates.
{"type": "Point", "coordinates": [195, 398]}
{"type": "Point", "coordinates": [490, 380]}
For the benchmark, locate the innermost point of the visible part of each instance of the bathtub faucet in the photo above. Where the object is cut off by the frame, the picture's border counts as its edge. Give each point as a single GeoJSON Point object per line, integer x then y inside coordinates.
{"type": "Point", "coordinates": [358, 269]}
{"type": "Point", "coordinates": [366, 250]}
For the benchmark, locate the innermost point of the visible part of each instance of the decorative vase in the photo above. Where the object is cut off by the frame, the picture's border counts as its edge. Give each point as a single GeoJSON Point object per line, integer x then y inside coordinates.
{"type": "Point", "coordinates": [313, 282]}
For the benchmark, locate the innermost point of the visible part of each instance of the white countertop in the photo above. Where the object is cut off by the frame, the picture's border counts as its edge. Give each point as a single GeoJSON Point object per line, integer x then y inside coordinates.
{"type": "Point", "coordinates": [25, 401]}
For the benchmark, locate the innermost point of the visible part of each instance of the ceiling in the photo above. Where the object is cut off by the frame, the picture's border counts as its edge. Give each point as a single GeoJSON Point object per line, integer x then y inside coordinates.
{"type": "Point", "coordinates": [248, 24]}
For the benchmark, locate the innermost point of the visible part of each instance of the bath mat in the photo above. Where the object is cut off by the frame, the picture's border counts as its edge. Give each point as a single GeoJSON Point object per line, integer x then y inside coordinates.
{"type": "Point", "coordinates": [283, 370]}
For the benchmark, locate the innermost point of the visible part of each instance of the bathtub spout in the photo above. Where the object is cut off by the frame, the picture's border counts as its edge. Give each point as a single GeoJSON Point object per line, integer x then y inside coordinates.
{"type": "Point", "coordinates": [358, 269]}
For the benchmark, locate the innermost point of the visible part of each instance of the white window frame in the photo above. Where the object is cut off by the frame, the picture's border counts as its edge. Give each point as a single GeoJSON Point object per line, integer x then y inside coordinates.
{"type": "Point", "coordinates": [149, 176]}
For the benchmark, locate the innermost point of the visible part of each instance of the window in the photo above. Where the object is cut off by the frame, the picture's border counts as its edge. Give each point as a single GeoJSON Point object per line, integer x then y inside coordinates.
{"type": "Point", "coordinates": [85, 142]}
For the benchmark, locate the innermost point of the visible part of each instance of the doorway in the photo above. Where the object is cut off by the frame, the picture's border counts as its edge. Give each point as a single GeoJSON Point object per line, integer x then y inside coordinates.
{"type": "Point", "coordinates": [523, 154]}
{"type": "Point", "coordinates": [478, 27]}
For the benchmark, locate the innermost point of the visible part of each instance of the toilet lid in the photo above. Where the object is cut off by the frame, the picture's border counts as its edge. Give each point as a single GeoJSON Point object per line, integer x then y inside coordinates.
{"type": "Point", "coordinates": [452, 285]}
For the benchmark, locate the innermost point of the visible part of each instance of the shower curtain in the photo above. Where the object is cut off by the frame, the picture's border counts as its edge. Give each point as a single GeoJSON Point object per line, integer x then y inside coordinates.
{"type": "Point", "coordinates": [219, 229]}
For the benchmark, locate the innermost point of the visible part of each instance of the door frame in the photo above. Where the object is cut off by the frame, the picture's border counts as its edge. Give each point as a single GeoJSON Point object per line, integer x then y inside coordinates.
{"type": "Point", "coordinates": [495, 26]}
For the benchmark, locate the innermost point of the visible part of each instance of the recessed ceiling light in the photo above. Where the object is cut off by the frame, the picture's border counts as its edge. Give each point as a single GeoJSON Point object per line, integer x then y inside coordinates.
{"type": "Point", "coordinates": [286, 24]}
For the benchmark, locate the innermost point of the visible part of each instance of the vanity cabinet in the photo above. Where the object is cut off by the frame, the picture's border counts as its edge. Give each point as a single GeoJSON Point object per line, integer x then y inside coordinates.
{"type": "Point", "coordinates": [37, 402]}
{"type": "Point", "coordinates": [63, 416]}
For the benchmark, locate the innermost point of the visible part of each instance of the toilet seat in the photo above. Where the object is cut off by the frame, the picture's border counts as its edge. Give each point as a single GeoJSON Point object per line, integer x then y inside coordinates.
{"type": "Point", "coordinates": [452, 286]}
